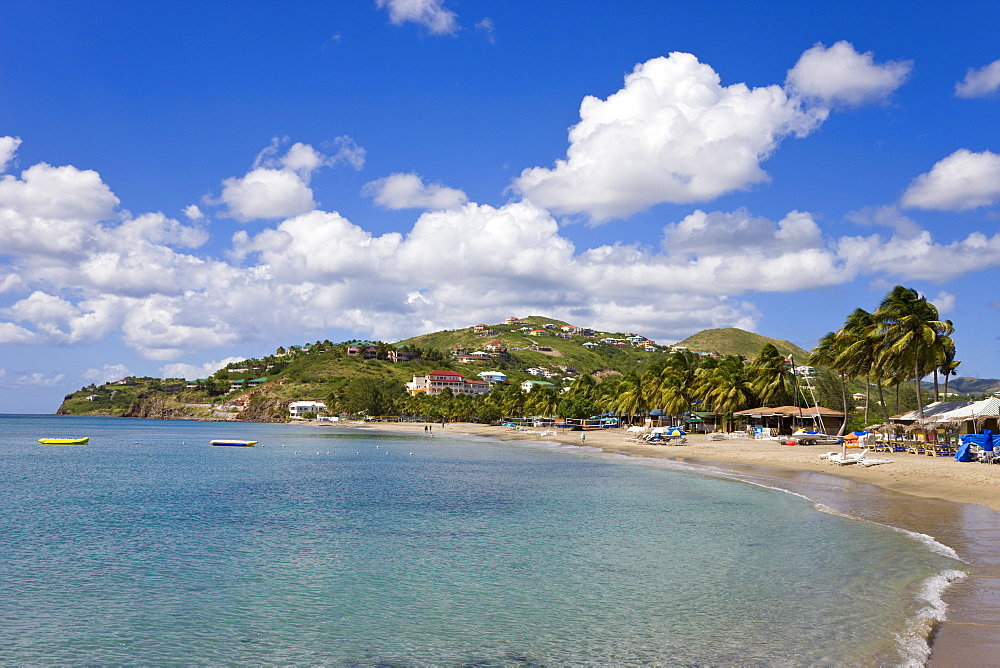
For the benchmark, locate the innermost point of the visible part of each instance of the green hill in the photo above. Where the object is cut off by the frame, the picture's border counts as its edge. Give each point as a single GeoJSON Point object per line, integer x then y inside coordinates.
{"type": "Point", "coordinates": [324, 370]}
{"type": "Point", "coordinates": [733, 341]}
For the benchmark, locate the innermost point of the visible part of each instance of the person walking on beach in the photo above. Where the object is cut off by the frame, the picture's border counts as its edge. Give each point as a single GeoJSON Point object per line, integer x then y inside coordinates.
{"type": "Point", "coordinates": [583, 439]}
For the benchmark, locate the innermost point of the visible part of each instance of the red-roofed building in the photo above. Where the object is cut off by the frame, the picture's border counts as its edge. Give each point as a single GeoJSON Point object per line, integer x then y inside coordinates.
{"type": "Point", "coordinates": [436, 382]}
{"type": "Point", "coordinates": [495, 347]}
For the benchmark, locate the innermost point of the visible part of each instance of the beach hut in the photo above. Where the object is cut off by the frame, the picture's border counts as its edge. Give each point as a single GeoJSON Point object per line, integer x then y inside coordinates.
{"type": "Point", "coordinates": [973, 417]}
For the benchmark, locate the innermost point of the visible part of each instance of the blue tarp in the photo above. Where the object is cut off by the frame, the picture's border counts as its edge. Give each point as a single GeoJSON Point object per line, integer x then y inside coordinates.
{"type": "Point", "coordinates": [984, 440]}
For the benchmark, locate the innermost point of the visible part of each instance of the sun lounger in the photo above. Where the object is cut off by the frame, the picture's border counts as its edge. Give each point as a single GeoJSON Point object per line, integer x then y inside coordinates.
{"type": "Point", "coordinates": [851, 458]}
{"type": "Point", "coordinates": [873, 461]}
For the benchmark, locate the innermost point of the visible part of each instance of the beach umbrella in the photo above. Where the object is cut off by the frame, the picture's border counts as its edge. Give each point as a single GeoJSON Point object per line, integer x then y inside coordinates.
{"type": "Point", "coordinates": [677, 432]}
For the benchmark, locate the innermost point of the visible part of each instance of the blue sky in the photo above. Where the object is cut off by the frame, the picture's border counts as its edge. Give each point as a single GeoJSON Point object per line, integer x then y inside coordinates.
{"type": "Point", "coordinates": [185, 183]}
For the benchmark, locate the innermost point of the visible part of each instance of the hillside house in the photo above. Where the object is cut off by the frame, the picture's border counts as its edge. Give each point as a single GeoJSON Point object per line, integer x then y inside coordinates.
{"type": "Point", "coordinates": [402, 353]}
{"type": "Point", "coordinates": [495, 347]}
{"type": "Point", "coordinates": [529, 385]}
{"type": "Point", "coordinates": [366, 350]}
{"type": "Point", "coordinates": [436, 382]}
{"type": "Point", "coordinates": [493, 377]}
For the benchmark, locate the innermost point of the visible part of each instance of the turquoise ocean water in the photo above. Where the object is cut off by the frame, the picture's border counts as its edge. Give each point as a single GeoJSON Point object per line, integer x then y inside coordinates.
{"type": "Point", "coordinates": [354, 547]}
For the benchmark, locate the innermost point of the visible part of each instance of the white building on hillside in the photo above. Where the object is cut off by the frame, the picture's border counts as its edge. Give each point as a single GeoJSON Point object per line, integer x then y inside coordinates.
{"type": "Point", "coordinates": [297, 408]}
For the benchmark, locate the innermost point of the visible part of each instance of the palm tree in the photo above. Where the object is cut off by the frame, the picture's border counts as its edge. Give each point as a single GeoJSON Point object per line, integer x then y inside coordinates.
{"type": "Point", "coordinates": [861, 354]}
{"type": "Point", "coordinates": [826, 354]}
{"type": "Point", "coordinates": [911, 329]}
{"type": "Point", "coordinates": [726, 386]}
{"type": "Point", "coordinates": [949, 367]}
{"type": "Point", "coordinates": [583, 387]}
{"type": "Point", "coordinates": [631, 397]}
{"type": "Point", "coordinates": [944, 353]}
{"type": "Point", "coordinates": [772, 380]}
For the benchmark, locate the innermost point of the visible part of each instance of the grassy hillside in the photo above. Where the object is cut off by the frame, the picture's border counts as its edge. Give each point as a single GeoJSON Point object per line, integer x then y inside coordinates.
{"type": "Point", "coordinates": [324, 370]}
{"type": "Point", "coordinates": [733, 341]}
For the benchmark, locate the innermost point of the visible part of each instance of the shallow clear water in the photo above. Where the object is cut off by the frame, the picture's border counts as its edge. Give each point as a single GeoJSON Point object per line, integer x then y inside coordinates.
{"type": "Point", "coordinates": [149, 546]}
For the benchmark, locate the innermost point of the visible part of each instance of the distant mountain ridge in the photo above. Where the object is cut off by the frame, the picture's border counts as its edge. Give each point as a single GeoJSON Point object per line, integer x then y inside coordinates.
{"type": "Point", "coordinates": [964, 385]}
{"type": "Point", "coordinates": [734, 341]}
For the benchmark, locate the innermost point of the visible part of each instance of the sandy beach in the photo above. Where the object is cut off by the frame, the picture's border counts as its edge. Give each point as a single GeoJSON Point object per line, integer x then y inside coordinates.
{"type": "Point", "coordinates": [958, 504]}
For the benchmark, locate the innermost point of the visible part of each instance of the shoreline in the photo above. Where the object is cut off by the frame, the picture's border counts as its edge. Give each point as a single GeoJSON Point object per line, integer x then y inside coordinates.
{"type": "Point", "coordinates": [957, 504]}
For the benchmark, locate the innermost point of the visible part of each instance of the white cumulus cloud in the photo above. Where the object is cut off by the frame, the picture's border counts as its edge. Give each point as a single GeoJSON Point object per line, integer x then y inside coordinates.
{"type": "Point", "coordinates": [408, 191]}
{"type": "Point", "coordinates": [839, 75]}
{"type": "Point", "coordinates": [8, 147]}
{"type": "Point", "coordinates": [980, 83]}
{"type": "Point", "coordinates": [194, 372]}
{"type": "Point", "coordinates": [106, 374]}
{"type": "Point", "coordinates": [963, 180]}
{"type": "Point", "coordinates": [672, 134]}
{"type": "Point", "coordinates": [431, 14]}
{"type": "Point", "coordinates": [30, 379]}
{"type": "Point", "coordinates": [945, 302]}
{"type": "Point", "coordinates": [277, 186]}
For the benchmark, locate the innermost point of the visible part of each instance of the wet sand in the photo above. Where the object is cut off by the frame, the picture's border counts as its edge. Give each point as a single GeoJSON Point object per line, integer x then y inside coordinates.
{"type": "Point", "coordinates": [955, 503]}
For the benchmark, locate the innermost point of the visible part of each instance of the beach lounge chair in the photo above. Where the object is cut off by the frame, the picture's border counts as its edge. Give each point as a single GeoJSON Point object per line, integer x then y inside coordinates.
{"type": "Point", "coordinates": [851, 458]}
{"type": "Point", "coordinates": [873, 461]}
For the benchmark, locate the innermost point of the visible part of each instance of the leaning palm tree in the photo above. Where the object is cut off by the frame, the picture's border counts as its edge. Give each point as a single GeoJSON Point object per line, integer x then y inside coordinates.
{"type": "Point", "coordinates": [861, 354]}
{"type": "Point", "coordinates": [911, 327]}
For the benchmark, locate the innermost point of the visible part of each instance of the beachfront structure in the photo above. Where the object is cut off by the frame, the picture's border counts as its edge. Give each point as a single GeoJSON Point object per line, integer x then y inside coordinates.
{"type": "Point", "coordinates": [933, 410]}
{"type": "Point", "coordinates": [972, 418]}
{"type": "Point", "coordinates": [436, 382]}
{"type": "Point", "coordinates": [786, 419]}
{"type": "Point", "coordinates": [492, 377]}
{"type": "Point", "coordinates": [298, 408]}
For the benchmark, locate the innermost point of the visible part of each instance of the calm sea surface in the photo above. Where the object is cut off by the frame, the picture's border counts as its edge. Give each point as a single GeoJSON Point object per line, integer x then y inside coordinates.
{"type": "Point", "coordinates": [354, 547]}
